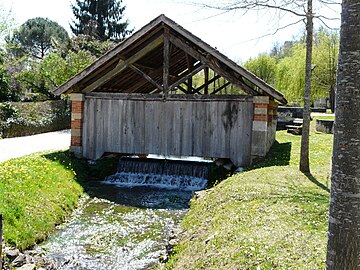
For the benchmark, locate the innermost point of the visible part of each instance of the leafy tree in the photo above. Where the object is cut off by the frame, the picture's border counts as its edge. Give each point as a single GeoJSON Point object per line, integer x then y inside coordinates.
{"type": "Point", "coordinates": [5, 93]}
{"type": "Point", "coordinates": [344, 220]}
{"type": "Point", "coordinates": [36, 37]}
{"type": "Point", "coordinates": [87, 44]}
{"type": "Point", "coordinates": [263, 66]}
{"type": "Point", "coordinates": [100, 19]}
{"type": "Point", "coordinates": [6, 22]}
{"type": "Point", "coordinates": [55, 69]}
{"type": "Point", "coordinates": [326, 44]}
{"type": "Point", "coordinates": [290, 73]}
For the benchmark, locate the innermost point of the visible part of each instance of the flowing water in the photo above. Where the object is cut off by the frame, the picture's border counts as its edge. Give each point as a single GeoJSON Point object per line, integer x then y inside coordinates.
{"type": "Point", "coordinates": [126, 221]}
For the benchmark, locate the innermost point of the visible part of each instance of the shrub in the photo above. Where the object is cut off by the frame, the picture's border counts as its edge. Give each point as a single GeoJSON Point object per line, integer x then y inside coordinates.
{"type": "Point", "coordinates": [22, 119]}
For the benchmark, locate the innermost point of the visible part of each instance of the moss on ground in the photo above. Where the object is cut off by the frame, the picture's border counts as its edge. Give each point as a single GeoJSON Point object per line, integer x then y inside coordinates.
{"type": "Point", "coordinates": [271, 216]}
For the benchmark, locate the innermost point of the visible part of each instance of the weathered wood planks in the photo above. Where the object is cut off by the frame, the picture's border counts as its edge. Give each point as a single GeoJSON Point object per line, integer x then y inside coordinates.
{"type": "Point", "coordinates": [218, 127]}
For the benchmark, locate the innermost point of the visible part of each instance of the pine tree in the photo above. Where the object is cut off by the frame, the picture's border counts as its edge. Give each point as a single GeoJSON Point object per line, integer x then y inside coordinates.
{"type": "Point", "coordinates": [100, 19]}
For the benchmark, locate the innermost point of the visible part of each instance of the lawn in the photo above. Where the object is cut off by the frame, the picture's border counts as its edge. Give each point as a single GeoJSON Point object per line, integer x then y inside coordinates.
{"type": "Point", "coordinates": [271, 216]}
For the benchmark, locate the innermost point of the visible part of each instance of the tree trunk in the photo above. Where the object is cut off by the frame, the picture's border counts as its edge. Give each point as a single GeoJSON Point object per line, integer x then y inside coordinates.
{"type": "Point", "coordinates": [304, 152]}
{"type": "Point", "coordinates": [344, 219]}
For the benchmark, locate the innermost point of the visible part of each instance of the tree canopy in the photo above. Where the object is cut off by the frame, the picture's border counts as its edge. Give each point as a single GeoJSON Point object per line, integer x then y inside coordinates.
{"type": "Point", "coordinates": [100, 19]}
{"type": "Point", "coordinates": [284, 67]}
{"type": "Point", "coordinates": [36, 37]}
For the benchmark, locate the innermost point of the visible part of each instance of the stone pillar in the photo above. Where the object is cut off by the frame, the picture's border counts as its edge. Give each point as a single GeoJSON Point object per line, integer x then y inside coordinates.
{"type": "Point", "coordinates": [264, 125]}
{"type": "Point", "coordinates": [77, 110]}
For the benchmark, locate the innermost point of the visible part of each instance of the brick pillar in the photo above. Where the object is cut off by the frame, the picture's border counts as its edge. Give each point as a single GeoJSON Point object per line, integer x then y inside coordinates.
{"type": "Point", "coordinates": [260, 126]}
{"type": "Point", "coordinates": [77, 110]}
{"type": "Point", "coordinates": [264, 125]}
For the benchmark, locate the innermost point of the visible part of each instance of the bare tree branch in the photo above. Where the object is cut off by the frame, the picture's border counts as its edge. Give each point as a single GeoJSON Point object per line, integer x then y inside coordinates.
{"type": "Point", "coordinates": [329, 2]}
{"type": "Point", "coordinates": [254, 5]}
{"type": "Point", "coordinates": [272, 33]}
{"type": "Point", "coordinates": [331, 28]}
{"type": "Point", "coordinates": [326, 18]}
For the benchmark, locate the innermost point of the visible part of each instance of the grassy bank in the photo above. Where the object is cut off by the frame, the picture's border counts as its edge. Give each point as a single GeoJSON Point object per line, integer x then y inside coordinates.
{"type": "Point", "coordinates": [272, 216]}
{"type": "Point", "coordinates": [39, 191]}
{"type": "Point", "coordinates": [36, 193]}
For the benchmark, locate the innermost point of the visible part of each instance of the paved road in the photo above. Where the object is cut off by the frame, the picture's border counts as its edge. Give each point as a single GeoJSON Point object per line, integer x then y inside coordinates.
{"type": "Point", "coordinates": [21, 146]}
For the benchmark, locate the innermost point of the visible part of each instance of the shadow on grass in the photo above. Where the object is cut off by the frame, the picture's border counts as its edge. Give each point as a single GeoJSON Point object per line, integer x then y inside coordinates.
{"type": "Point", "coordinates": [84, 171]}
{"type": "Point", "coordinates": [279, 155]}
{"type": "Point", "coordinates": [316, 182]}
{"type": "Point", "coordinates": [89, 176]}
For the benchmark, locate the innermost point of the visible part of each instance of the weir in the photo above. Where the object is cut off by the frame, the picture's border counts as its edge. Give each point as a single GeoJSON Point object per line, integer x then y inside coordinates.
{"type": "Point", "coordinates": [172, 174]}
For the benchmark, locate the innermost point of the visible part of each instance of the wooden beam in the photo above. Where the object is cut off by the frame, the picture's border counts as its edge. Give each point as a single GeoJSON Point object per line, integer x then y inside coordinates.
{"type": "Point", "coordinates": [189, 61]}
{"type": "Point", "coordinates": [220, 88]}
{"type": "Point", "coordinates": [210, 81]}
{"type": "Point", "coordinates": [123, 64]}
{"type": "Point", "coordinates": [183, 89]}
{"type": "Point", "coordinates": [184, 78]}
{"type": "Point", "coordinates": [206, 83]}
{"type": "Point", "coordinates": [190, 90]}
{"type": "Point", "coordinates": [211, 62]}
{"type": "Point", "coordinates": [166, 61]}
{"type": "Point", "coordinates": [108, 56]}
{"type": "Point", "coordinates": [245, 87]}
{"type": "Point", "coordinates": [146, 77]}
{"type": "Point", "coordinates": [227, 62]}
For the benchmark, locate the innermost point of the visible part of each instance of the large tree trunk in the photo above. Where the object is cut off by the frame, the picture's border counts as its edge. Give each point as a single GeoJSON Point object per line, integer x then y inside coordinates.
{"type": "Point", "coordinates": [304, 151]}
{"type": "Point", "coordinates": [344, 220]}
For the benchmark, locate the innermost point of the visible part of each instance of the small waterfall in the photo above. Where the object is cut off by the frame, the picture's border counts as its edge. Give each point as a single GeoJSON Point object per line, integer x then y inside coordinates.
{"type": "Point", "coordinates": [172, 174]}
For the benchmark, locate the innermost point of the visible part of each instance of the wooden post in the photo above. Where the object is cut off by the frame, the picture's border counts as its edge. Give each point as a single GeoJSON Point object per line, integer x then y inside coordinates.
{"type": "Point", "coordinates": [166, 62]}
{"type": "Point", "coordinates": [189, 61]}
{"type": "Point", "coordinates": [206, 72]}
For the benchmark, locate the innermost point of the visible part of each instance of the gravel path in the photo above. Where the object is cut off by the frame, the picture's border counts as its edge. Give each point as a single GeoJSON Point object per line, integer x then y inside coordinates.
{"type": "Point", "coordinates": [21, 146]}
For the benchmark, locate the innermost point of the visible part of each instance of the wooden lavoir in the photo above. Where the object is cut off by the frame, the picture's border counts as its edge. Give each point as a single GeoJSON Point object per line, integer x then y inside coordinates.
{"type": "Point", "coordinates": [142, 97]}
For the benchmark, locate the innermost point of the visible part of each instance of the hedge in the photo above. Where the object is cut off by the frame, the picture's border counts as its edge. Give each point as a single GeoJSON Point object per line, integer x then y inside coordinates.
{"type": "Point", "coordinates": [29, 118]}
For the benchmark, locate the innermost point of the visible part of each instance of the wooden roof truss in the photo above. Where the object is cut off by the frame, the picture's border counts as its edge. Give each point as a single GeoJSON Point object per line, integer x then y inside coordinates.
{"type": "Point", "coordinates": [162, 57]}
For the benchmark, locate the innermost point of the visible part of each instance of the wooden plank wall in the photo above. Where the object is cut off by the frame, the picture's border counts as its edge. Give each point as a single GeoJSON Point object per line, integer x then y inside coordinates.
{"type": "Point", "coordinates": [213, 126]}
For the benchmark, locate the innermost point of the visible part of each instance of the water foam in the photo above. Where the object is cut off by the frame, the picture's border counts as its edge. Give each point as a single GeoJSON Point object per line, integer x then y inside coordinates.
{"type": "Point", "coordinates": [182, 182]}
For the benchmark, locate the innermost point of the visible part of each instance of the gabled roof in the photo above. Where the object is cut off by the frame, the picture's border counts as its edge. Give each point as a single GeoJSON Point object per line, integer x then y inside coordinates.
{"type": "Point", "coordinates": [161, 49]}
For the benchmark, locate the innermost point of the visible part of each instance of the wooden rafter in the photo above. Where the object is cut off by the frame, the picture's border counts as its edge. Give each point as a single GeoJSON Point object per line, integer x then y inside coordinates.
{"type": "Point", "coordinates": [212, 62]}
{"type": "Point", "coordinates": [182, 89]}
{"type": "Point", "coordinates": [146, 77]}
{"type": "Point", "coordinates": [190, 90]}
{"type": "Point", "coordinates": [123, 64]}
{"type": "Point", "coordinates": [166, 62]}
{"type": "Point", "coordinates": [187, 76]}
{"type": "Point", "coordinates": [189, 61]}
{"type": "Point", "coordinates": [206, 85]}
{"type": "Point", "coordinates": [105, 71]}
{"type": "Point", "coordinates": [220, 88]}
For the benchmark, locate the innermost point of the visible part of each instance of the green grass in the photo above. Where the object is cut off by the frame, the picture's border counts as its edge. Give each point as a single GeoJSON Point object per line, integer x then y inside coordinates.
{"type": "Point", "coordinates": [36, 193]}
{"type": "Point", "coordinates": [271, 216]}
{"type": "Point", "coordinates": [39, 191]}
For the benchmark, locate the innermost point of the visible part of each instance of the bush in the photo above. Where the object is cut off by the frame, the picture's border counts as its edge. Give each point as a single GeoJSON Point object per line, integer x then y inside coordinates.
{"type": "Point", "coordinates": [22, 119]}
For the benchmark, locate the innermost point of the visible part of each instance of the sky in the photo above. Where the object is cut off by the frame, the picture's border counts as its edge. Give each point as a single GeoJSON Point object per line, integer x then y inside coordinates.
{"type": "Point", "coordinates": [237, 35]}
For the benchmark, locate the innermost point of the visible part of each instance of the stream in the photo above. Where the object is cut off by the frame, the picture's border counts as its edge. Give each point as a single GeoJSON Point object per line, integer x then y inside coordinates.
{"type": "Point", "coordinates": [124, 222]}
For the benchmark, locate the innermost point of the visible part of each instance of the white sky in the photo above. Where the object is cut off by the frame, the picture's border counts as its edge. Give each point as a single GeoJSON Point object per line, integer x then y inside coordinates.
{"type": "Point", "coordinates": [234, 34]}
